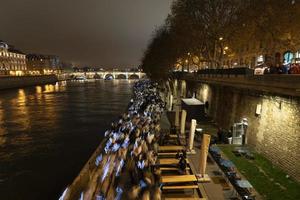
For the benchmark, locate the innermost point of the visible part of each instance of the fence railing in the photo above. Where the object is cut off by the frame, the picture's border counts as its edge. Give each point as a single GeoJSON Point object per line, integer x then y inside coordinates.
{"type": "Point", "coordinates": [241, 71]}
{"type": "Point", "coordinates": [229, 72]}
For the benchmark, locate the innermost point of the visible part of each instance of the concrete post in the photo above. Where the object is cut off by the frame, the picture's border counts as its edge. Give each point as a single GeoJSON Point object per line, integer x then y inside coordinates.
{"type": "Point", "coordinates": [175, 89]}
{"type": "Point", "coordinates": [168, 86]}
{"type": "Point", "coordinates": [171, 103]}
{"type": "Point", "coordinates": [204, 153]}
{"type": "Point", "coordinates": [182, 124]}
{"type": "Point", "coordinates": [176, 116]}
{"type": "Point", "coordinates": [183, 89]}
{"type": "Point", "coordinates": [192, 135]}
{"type": "Point", "coordinates": [167, 98]}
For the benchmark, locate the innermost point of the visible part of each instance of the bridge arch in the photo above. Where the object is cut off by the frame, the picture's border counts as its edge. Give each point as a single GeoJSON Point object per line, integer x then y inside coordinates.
{"type": "Point", "coordinates": [97, 76]}
{"type": "Point", "coordinates": [121, 76]}
{"type": "Point", "coordinates": [109, 76]}
{"type": "Point", "coordinates": [144, 76]}
{"type": "Point", "coordinates": [134, 76]}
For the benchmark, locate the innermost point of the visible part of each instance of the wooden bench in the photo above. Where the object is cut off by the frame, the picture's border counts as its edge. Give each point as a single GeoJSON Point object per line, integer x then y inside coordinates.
{"type": "Point", "coordinates": [171, 148]}
{"type": "Point", "coordinates": [171, 168]}
{"type": "Point", "coordinates": [179, 187]}
{"type": "Point", "coordinates": [178, 179]}
{"type": "Point", "coordinates": [170, 161]}
{"type": "Point", "coordinates": [167, 154]}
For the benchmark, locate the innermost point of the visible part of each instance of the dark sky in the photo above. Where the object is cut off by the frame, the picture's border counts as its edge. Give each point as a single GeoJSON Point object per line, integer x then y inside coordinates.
{"type": "Point", "coordinates": [106, 33]}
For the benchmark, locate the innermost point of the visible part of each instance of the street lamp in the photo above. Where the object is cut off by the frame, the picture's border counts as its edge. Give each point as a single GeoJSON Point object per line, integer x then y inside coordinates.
{"type": "Point", "coordinates": [188, 61]}
{"type": "Point", "coordinates": [187, 64]}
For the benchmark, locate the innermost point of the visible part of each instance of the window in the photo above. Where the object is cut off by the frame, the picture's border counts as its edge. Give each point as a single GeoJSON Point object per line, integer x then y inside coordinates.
{"type": "Point", "coordinates": [288, 57]}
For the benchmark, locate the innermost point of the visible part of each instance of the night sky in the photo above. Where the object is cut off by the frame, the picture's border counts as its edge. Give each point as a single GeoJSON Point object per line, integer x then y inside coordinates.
{"type": "Point", "coordinates": [107, 33]}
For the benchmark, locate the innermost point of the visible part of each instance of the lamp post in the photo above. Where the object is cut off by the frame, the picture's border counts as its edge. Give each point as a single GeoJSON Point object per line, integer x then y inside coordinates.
{"type": "Point", "coordinates": [215, 50]}
{"type": "Point", "coordinates": [188, 61]}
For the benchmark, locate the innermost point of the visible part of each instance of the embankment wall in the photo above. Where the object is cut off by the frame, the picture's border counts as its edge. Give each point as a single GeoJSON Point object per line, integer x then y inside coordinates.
{"type": "Point", "coordinates": [275, 132]}
{"type": "Point", "coordinates": [24, 81]}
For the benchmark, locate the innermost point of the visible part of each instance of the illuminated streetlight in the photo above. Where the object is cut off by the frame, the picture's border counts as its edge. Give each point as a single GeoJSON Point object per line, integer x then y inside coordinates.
{"type": "Point", "coordinates": [220, 38]}
{"type": "Point", "coordinates": [226, 48]}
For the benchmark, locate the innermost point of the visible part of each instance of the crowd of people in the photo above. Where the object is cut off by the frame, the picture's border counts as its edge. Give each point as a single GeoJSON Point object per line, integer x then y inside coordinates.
{"type": "Point", "coordinates": [127, 165]}
{"type": "Point", "coordinates": [283, 69]}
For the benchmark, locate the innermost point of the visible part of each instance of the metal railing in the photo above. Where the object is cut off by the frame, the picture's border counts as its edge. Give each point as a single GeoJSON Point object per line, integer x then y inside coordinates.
{"type": "Point", "coordinates": [227, 72]}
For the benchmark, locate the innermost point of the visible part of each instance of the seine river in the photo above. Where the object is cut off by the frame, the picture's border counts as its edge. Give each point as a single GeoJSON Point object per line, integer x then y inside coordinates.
{"type": "Point", "coordinates": [47, 133]}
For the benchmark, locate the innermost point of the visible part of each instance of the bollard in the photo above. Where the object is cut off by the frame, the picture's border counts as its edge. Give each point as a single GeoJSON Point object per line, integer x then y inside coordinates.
{"type": "Point", "coordinates": [203, 158]}
{"type": "Point", "coordinates": [175, 88]}
{"type": "Point", "coordinates": [171, 103]}
{"type": "Point", "coordinates": [167, 98]}
{"type": "Point", "coordinates": [183, 89]}
{"type": "Point", "coordinates": [192, 135]}
{"type": "Point", "coordinates": [182, 124]}
{"type": "Point", "coordinates": [177, 116]}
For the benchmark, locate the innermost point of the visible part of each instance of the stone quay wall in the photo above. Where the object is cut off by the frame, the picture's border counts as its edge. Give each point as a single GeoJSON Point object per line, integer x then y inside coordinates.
{"type": "Point", "coordinates": [9, 82]}
{"type": "Point", "coordinates": [275, 132]}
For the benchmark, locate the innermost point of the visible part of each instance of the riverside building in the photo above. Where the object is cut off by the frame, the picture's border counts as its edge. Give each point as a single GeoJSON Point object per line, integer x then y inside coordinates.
{"type": "Point", "coordinates": [43, 64]}
{"type": "Point", "coordinates": [12, 61]}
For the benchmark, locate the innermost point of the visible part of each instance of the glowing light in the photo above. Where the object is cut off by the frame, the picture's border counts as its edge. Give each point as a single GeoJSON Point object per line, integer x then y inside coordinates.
{"type": "Point", "coordinates": [260, 58]}
{"type": "Point", "coordinates": [81, 196]}
{"type": "Point", "coordinates": [220, 38]}
{"type": "Point", "coordinates": [38, 89]}
{"type": "Point", "coordinates": [63, 194]}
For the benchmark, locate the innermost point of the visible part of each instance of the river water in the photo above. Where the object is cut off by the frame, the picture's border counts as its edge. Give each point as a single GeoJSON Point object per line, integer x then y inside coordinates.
{"type": "Point", "coordinates": [47, 133]}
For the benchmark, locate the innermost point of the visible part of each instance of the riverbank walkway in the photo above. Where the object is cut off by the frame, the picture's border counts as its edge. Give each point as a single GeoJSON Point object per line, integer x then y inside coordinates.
{"type": "Point", "coordinates": [143, 156]}
{"type": "Point", "coordinates": [218, 187]}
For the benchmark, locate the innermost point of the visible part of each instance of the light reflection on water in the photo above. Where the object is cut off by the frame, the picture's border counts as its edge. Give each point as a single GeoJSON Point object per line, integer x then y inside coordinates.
{"type": "Point", "coordinates": [48, 132]}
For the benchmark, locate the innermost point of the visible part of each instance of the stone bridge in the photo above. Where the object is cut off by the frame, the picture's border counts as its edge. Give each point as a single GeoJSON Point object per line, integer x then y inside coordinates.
{"type": "Point", "coordinates": [110, 74]}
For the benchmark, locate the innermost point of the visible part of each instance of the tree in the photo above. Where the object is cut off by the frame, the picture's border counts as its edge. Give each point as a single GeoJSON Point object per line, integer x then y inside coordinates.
{"type": "Point", "coordinates": [160, 56]}
{"type": "Point", "coordinates": [209, 29]}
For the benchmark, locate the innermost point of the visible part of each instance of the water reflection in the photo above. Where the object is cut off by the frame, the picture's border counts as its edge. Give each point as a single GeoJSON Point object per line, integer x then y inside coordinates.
{"type": "Point", "coordinates": [2, 127]}
{"type": "Point", "coordinates": [21, 110]}
{"type": "Point", "coordinates": [48, 132]}
{"type": "Point", "coordinates": [38, 89]}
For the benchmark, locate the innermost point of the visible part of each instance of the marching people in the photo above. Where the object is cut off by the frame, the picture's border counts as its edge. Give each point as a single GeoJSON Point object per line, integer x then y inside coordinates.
{"type": "Point", "coordinates": [131, 148]}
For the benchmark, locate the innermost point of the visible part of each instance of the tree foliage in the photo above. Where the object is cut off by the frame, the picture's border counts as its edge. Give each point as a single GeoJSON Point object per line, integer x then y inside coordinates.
{"type": "Point", "coordinates": [205, 27]}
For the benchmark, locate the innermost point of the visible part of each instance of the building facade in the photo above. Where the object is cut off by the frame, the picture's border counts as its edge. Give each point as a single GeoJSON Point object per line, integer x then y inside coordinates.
{"type": "Point", "coordinates": [259, 53]}
{"type": "Point", "coordinates": [43, 64]}
{"type": "Point", "coordinates": [12, 61]}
